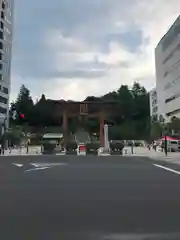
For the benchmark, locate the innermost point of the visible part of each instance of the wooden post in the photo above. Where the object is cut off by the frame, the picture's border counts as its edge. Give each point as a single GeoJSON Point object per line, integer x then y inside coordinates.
{"type": "Point", "coordinates": [101, 129]}
{"type": "Point", "coordinates": [83, 111]}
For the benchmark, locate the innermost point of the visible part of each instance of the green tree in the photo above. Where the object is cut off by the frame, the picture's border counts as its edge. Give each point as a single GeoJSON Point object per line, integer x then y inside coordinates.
{"type": "Point", "coordinates": [124, 131]}
{"type": "Point", "coordinates": [23, 104]}
{"type": "Point", "coordinates": [156, 130]}
{"type": "Point", "coordinates": [138, 90]}
{"type": "Point", "coordinates": [175, 125]}
{"type": "Point", "coordinates": [125, 99]}
{"type": "Point", "coordinates": [45, 113]}
{"type": "Point", "coordinates": [131, 120]}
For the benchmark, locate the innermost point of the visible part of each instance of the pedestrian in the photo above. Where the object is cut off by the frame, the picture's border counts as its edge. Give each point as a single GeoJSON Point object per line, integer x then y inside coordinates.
{"type": "Point", "coordinates": [154, 146]}
{"type": "Point", "coordinates": [149, 147]}
{"type": "Point", "coordinates": [0, 149]}
{"type": "Point", "coordinates": [165, 147]}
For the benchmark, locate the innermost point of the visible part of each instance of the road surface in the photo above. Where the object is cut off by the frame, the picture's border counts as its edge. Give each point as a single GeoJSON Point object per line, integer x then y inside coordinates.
{"type": "Point", "coordinates": [70, 197]}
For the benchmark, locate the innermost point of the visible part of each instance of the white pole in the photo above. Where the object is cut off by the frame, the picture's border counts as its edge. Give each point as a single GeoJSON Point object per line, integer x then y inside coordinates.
{"type": "Point", "coordinates": [106, 138]}
{"type": "Point", "coordinates": [2, 130]}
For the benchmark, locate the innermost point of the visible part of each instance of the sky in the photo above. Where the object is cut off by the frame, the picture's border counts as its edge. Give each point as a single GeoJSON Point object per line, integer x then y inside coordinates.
{"type": "Point", "coordinates": [70, 49]}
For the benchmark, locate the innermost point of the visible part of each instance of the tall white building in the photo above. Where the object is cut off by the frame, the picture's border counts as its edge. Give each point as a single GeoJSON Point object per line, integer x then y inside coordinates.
{"type": "Point", "coordinates": [167, 58]}
{"type": "Point", "coordinates": [6, 27]}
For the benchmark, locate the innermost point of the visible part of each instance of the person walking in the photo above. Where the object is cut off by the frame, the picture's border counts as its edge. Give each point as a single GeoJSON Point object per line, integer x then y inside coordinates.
{"type": "Point", "coordinates": [165, 146]}
{"type": "Point", "coordinates": [155, 146]}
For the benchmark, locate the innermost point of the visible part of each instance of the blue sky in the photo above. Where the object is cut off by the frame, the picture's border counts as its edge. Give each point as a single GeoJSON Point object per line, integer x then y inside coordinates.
{"type": "Point", "coordinates": [73, 48]}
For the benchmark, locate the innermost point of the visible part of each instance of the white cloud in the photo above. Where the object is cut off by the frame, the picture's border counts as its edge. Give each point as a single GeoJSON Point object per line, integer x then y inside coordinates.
{"type": "Point", "coordinates": [152, 18]}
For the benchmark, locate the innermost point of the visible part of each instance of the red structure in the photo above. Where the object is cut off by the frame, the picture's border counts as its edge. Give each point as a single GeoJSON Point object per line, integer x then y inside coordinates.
{"type": "Point", "coordinates": [100, 110]}
{"type": "Point", "coordinates": [22, 115]}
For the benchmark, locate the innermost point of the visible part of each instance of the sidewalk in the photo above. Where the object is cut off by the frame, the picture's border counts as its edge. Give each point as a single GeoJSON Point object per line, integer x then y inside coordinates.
{"type": "Point", "coordinates": [137, 151]}
{"type": "Point", "coordinates": [173, 157]}
{"type": "Point", "coordinates": [33, 150]}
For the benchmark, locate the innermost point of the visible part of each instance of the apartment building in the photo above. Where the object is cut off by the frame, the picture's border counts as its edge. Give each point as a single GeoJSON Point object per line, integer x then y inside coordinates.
{"type": "Point", "coordinates": [167, 60]}
{"type": "Point", "coordinates": [6, 32]}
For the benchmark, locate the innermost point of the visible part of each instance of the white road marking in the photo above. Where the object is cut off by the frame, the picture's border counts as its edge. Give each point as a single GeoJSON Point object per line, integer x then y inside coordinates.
{"type": "Point", "coordinates": [35, 169]}
{"type": "Point", "coordinates": [18, 164]}
{"type": "Point", "coordinates": [47, 164]}
{"type": "Point", "coordinates": [167, 169]}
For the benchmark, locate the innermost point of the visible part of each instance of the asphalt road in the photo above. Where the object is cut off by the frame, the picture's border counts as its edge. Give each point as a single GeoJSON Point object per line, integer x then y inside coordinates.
{"type": "Point", "coordinates": [71, 197]}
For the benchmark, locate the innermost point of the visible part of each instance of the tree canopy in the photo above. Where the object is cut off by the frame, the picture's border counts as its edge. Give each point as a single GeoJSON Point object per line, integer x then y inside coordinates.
{"type": "Point", "coordinates": [133, 123]}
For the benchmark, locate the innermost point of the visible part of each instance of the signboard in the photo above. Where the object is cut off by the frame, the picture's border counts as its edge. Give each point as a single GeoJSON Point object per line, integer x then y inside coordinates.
{"type": "Point", "coordinates": [83, 109]}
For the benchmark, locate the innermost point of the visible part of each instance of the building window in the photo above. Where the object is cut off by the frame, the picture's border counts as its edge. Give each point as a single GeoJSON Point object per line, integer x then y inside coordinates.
{"type": "Point", "coordinates": [1, 45]}
{"type": "Point", "coordinates": [155, 109]}
{"type": "Point", "coordinates": [171, 54]}
{"type": "Point", "coordinates": [174, 82]}
{"type": "Point", "coordinates": [5, 90]}
{"type": "Point", "coordinates": [1, 56]}
{"type": "Point", "coordinates": [3, 110]}
{"type": "Point", "coordinates": [173, 112]}
{"type": "Point", "coordinates": [1, 35]}
{"type": "Point", "coordinates": [172, 98]}
{"type": "Point", "coordinates": [7, 20]}
{"type": "Point", "coordinates": [3, 5]}
{"type": "Point", "coordinates": [154, 118]}
{"type": "Point", "coordinates": [1, 66]}
{"type": "Point", "coordinates": [7, 30]}
{"type": "Point", "coordinates": [154, 102]}
{"type": "Point", "coordinates": [172, 34]}
{"type": "Point", "coordinates": [154, 94]}
{"type": "Point", "coordinates": [2, 25]}
{"type": "Point", "coordinates": [3, 100]}
{"type": "Point", "coordinates": [1, 77]}
{"type": "Point", "coordinates": [2, 15]}
{"type": "Point", "coordinates": [8, 5]}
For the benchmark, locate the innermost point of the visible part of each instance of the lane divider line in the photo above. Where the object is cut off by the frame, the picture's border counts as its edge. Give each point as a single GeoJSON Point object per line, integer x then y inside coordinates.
{"type": "Point", "coordinates": [18, 164]}
{"type": "Point", "coordinates": [167, 169]}
{"type": "Point", "coordinates": [47, 164]}
{"type": "Point", "coordinates": [36, 169]}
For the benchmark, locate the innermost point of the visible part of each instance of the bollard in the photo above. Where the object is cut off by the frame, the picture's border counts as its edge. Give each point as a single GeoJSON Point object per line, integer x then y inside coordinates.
{"type": "Point", "coordinates": [81, 150]}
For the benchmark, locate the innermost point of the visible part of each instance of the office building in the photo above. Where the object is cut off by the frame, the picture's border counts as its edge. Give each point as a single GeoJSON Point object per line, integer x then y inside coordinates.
{"type": "Point", "coordinates": [6, 26]}
{"type": "Point", "coordinates": [167, 59]}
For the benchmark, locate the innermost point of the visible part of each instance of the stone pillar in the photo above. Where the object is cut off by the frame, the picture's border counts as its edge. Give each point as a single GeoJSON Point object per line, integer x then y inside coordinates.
{"type": "Point", "coordinates": [101, 129]}
{"type": "Point", "coordinates": [65, 126]}
{"type": "Point", "coordinates": [106, 138]}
